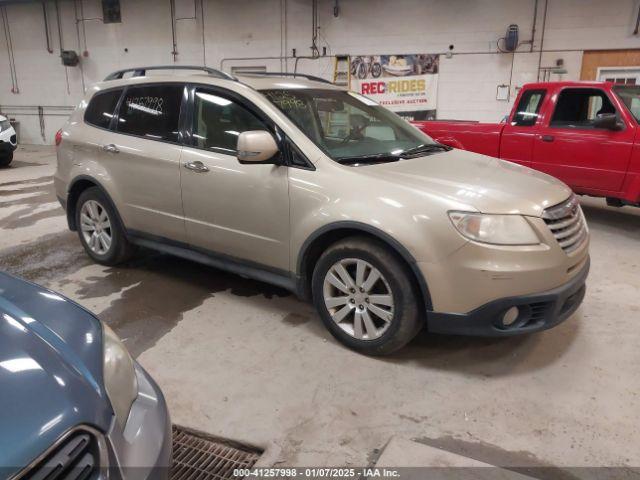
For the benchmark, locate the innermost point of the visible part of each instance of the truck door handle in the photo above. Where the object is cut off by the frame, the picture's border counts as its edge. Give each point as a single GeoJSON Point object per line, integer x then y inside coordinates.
{"type": "Point", "coordinates": [547, 138]}
{"type": "Point", "coordinates": [196, 166]}
{"type": "Point", "coordinates": [110, 148]}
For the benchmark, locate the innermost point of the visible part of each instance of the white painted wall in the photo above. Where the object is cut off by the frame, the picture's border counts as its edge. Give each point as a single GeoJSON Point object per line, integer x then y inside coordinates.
{"type": "Point", "coordinates": [257, 28]}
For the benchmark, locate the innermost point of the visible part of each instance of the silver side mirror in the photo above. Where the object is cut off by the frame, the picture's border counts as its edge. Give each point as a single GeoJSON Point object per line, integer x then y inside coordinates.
{"type": "Point", "coordinates": [256, 146]}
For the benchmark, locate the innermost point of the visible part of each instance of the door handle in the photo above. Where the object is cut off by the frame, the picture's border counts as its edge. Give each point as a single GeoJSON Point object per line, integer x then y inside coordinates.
{"type": "Point", "coordinates": [110, 148]}
{"type": "Point", "coordinates": [197, 166]}
{"type": "Point", "coordinates": [547, 138]}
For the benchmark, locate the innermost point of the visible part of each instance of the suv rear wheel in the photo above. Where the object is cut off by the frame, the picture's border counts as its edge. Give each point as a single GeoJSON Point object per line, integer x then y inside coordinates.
{"type": "Point", "coordinates": [366, 296]}
{"type": "Point", "coordinates": [100, 230]}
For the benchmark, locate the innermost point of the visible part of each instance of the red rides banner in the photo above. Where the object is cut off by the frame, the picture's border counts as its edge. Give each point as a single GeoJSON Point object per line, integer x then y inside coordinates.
{"type": "Point", "coordinates": [406, 84]}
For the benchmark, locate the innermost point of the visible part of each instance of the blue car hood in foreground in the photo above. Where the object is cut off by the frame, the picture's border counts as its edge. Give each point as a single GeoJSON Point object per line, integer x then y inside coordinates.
{"type": "Point", "coordinates": [50, 371]}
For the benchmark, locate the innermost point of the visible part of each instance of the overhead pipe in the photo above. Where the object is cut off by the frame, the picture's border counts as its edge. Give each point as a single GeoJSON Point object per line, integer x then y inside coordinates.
{"type": "Point", "coordinates": [285, 48]}
{"type": "Point", "coordinates": [66, 71]}
{"type": "Point", "coordinates": [204, 48]}
{"type": "Point", "coordinates": [533, 28]}
{"type": "Point", "coordinates": [174, 51]}
{"type": "Point", "coordinates": [283, 33]}
{"type": "Point", "coordinates": [46, 27]}
{"type": "Point", "coordinates": [314, 29]}
{"type": "Point", "coordinates": [75, 11]}
{"type": "Point", "coordinates": [544, 23]}
{"type": "Point", "coordinates": [12, 61]}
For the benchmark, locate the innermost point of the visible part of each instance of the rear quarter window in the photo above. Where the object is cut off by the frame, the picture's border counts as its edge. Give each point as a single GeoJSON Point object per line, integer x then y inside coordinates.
{"type": "Point", "coordinates": [151, 111]}
{"type": "Point", "coordinates": [101, 108]}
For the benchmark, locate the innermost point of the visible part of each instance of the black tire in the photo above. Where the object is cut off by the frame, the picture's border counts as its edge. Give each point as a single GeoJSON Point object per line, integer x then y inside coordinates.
{"type": "Point", "coordinates": [6, 159]}
{"type": "Point", "coordinates": [362, 70]}
{"type": "Point", "coordinates": [120, 250]}
{"type": "Point", "coordinates": [407, 316]}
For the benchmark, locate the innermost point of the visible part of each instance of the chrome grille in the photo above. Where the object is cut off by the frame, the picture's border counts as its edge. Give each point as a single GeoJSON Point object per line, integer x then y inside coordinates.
{"type": "Point", "coordinates": [567, 224]}
{"type": "Point", "coordinates": [195, 456]}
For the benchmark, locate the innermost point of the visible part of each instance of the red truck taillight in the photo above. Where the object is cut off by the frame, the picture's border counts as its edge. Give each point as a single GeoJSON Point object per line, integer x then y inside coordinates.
{"type": "Point", "coordinates": [58, 137]}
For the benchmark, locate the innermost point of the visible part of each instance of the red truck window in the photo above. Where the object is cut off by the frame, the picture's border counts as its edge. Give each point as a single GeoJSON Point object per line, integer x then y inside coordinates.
{"type": "Point", "coordinates": [528, 108]}
{"type": "Point", "coordinates": [630, 95]}
{"type": "Point", "coordinates": [578, 107]}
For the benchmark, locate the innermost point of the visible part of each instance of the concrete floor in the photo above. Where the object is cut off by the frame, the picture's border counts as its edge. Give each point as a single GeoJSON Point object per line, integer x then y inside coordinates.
{"type": "Point", "coordinates": [244, 360]}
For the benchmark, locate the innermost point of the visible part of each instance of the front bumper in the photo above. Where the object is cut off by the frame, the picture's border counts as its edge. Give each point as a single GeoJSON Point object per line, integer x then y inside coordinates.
{"type": "Point", "coordinates": [142, 450]}
{"type": "Point", "coordinates": [537, 312]}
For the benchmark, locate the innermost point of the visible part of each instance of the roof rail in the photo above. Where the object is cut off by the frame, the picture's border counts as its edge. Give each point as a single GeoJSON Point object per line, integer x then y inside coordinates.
{"type": "Point", "coordinates": [141, 71]}
{"type": "Point", "coordinates": [285, 74]}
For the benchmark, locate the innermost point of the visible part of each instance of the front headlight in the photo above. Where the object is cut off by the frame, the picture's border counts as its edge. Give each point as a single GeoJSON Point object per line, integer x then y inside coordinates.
{"type": "Point", "coordinates": [494, 229]}
{"type": "Point", "coordinates": [119, 375]}
{"type": "Point", "coordinates": [5, 125]}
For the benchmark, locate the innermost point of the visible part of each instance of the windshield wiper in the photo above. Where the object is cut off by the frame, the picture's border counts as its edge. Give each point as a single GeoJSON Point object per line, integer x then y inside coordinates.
{"type": "Point", "coordinates": [376, 158]}
{"type": "Point", "coordinates": [391, 157]}
{"type": "Point", "coordinates": [425, 148]}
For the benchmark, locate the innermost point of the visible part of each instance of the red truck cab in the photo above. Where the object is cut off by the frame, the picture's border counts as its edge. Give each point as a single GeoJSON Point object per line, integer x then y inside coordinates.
{"type": "Point", "coordinates": [584, 133]}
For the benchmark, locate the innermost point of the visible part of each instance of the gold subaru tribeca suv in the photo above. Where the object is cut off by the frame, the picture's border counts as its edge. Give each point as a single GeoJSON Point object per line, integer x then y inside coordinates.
{"type": "Point", "coordinates": [297, 182]}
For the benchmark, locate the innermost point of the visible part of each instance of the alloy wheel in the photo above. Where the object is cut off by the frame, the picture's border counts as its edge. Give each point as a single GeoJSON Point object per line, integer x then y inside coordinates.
{"type": "Point", "coordinates": [96, 227]}
{"type": "Point", "coordinates": [358, 298]}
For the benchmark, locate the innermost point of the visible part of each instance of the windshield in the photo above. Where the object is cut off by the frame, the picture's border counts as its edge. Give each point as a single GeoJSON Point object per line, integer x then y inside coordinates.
{"type": "Point", "coordinates": [630, 96]}
{"type": "Point", "coordinates": [348, 126]}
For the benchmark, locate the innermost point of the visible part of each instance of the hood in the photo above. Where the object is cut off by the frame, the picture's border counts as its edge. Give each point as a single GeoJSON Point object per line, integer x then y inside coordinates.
{"type": "Point", "coordinates": [50, 371]}
{"type": "Point", "coordinates": [487, 184]}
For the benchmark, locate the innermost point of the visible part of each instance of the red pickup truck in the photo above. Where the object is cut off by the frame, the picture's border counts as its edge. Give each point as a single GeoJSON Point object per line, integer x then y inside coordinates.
{"type": "Point", "coordinates": [584, 133]}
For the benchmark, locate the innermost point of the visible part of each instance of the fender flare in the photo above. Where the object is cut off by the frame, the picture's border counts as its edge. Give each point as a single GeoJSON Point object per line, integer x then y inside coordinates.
{"type": "Point", "coordinates": [375, 232]}
{"type": "Point", "coordinates": [71, 209]}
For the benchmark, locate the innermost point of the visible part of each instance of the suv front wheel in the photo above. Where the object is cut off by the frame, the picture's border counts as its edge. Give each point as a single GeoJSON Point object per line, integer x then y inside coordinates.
{"type": "Point", "coordinates": [366, 296]}
{"type": "Point", "coordinates": [100, 230]}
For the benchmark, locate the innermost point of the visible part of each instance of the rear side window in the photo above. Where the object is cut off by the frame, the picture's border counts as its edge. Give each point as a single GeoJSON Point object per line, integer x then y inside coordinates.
{"type": "Point", "coordinates": [578, 107]}
{"type": "Point", "coordinates": [218, 121]}
{"type": "Point", "coordinates": [101, 108]}
{"type": "Point", "coordinates": [528, 108]}
{"type": "Point", "coordinates": [152, 112]}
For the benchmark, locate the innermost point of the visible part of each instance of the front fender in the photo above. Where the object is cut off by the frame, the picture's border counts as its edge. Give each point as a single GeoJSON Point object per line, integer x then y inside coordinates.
{"type": "Point", "coordinates": [354, 226]}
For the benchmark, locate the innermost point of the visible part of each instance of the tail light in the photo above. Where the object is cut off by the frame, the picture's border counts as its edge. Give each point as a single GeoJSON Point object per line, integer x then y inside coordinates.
{"type": "Point", "coordinates": [58, 137]}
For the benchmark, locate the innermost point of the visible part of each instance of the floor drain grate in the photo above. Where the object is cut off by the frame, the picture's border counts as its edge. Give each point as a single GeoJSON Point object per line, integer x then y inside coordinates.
{"type": "Point", "coordinates": [197, 456]}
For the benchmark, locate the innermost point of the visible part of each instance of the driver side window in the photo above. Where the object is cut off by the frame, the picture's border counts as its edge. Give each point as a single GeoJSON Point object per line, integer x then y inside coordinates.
{"type": "Point", "coordinates": [218, 121]}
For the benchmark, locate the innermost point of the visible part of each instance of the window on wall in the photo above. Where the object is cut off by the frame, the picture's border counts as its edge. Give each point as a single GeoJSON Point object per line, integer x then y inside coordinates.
{"type": "Point", "coordinates": [111, 11]}
{"type": "Point", "coordinates": [152, 112]}
{"type": "Point", "coordinates": [579, 107]}
{"type": "Point", "coordinates": [621, 81]}
{"type": "Point", "coordinates": [101, 108]}
{"type": "Point", "coordinates": [218, 121]}
{"type": "Point", "coordinates": [528, 108]}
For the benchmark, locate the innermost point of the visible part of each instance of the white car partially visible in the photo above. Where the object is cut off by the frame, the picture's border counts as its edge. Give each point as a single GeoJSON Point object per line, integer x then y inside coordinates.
{"type": "Point", "coordinates": [8, 141]}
